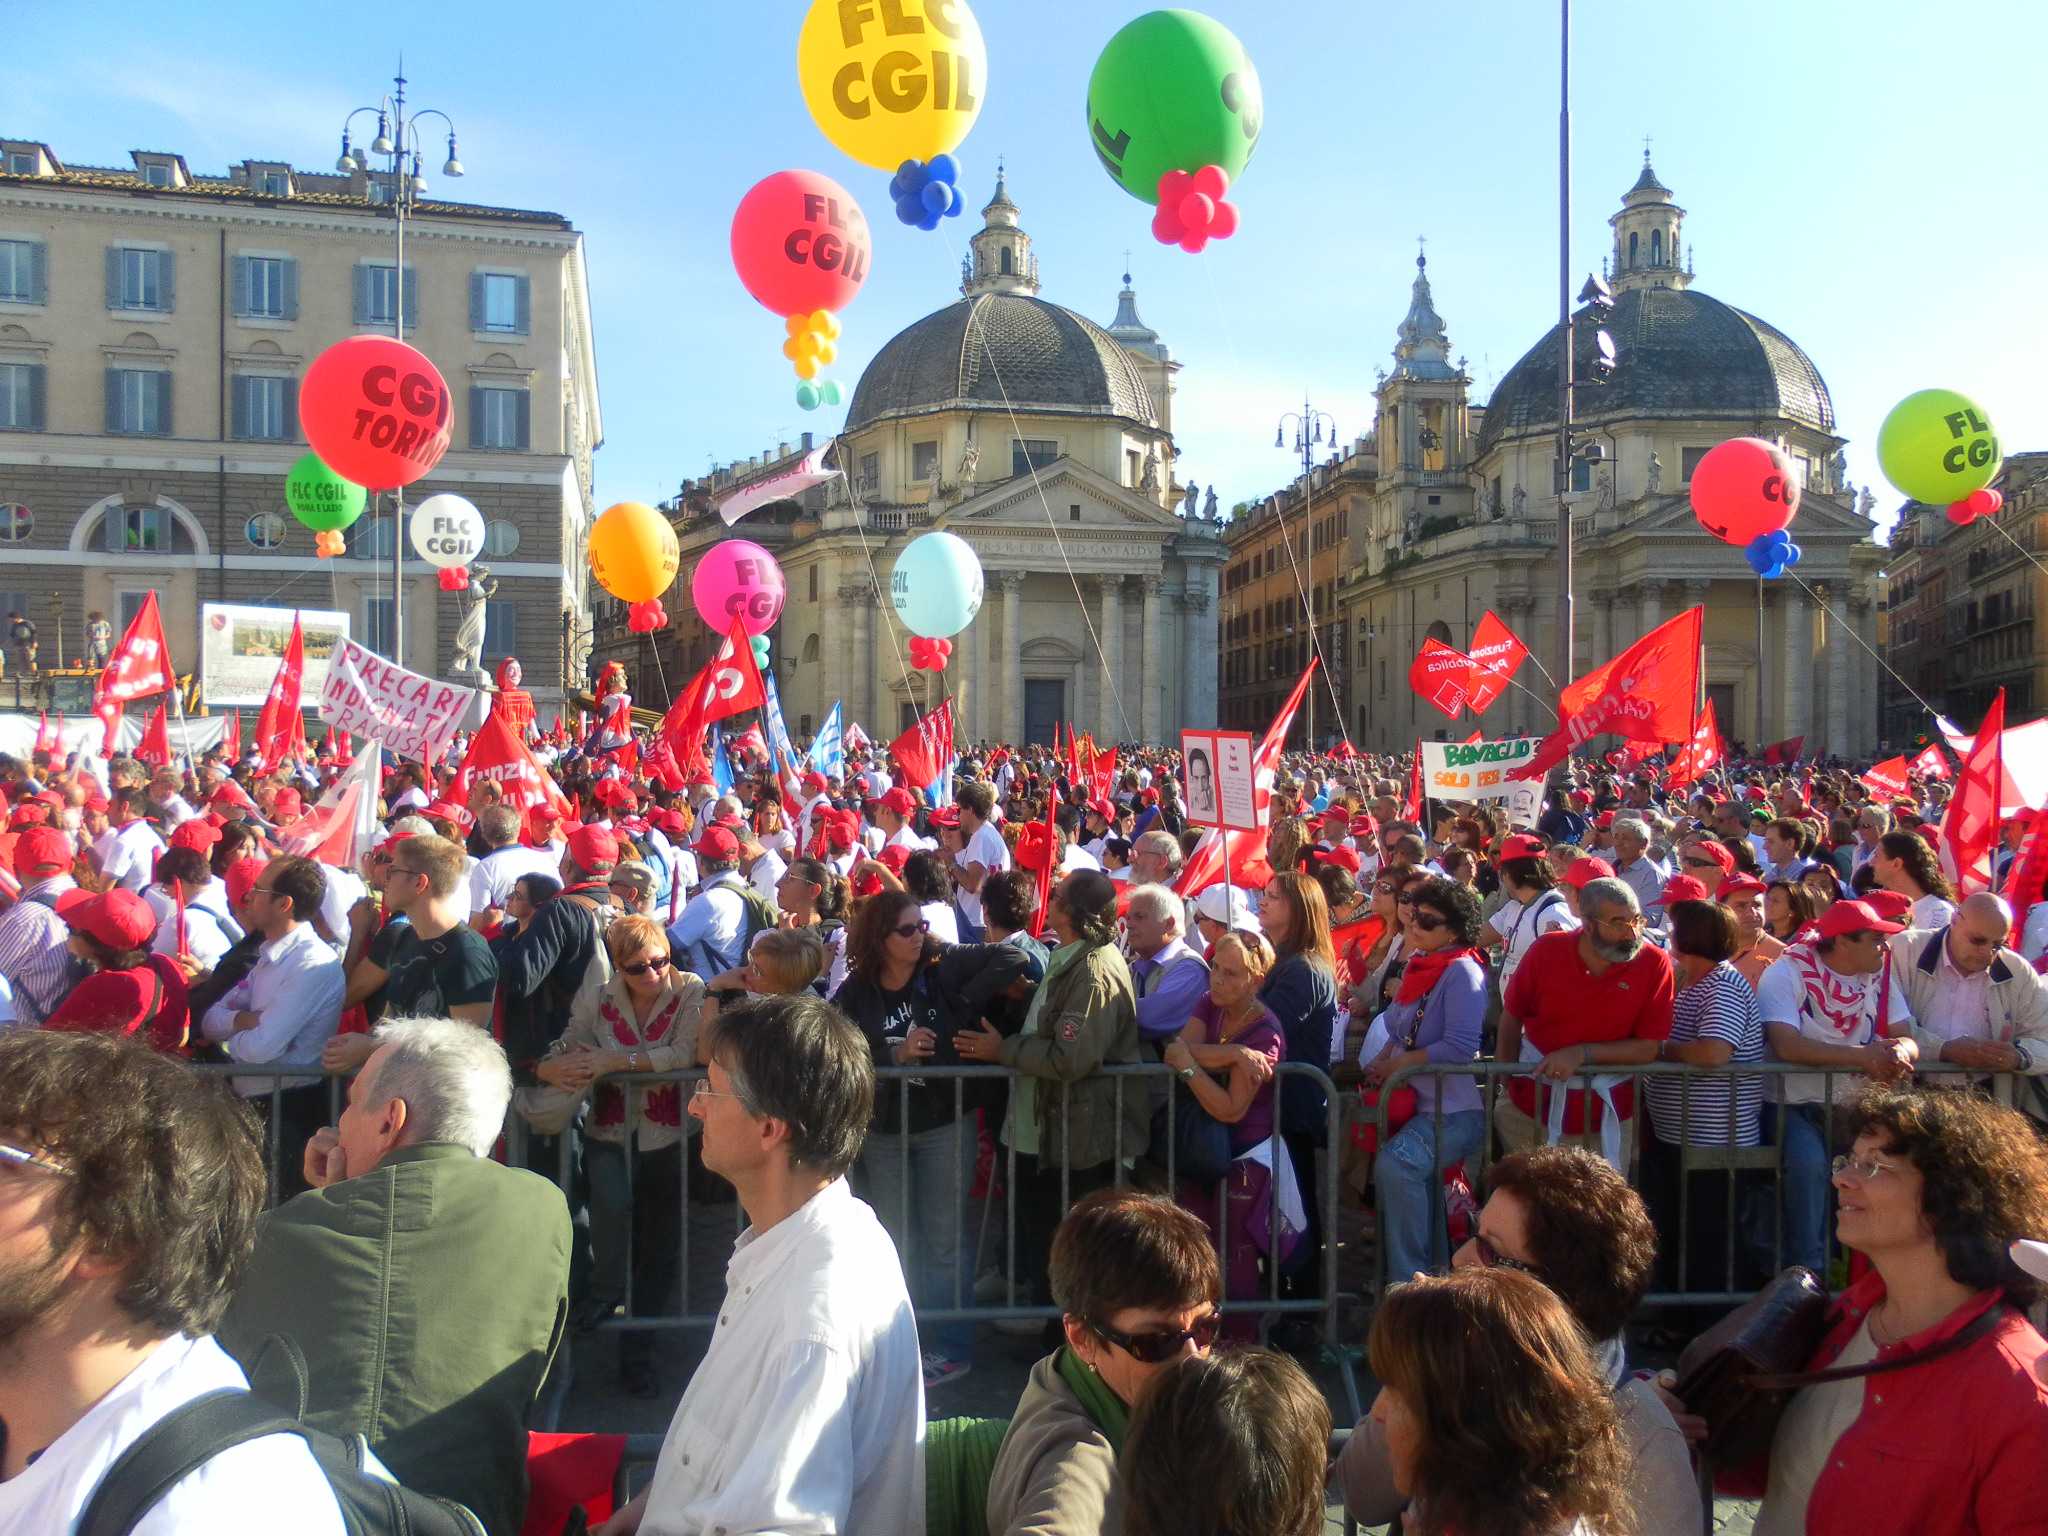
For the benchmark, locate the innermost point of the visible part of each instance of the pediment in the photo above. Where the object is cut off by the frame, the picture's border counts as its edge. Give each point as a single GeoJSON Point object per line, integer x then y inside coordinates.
{"type": "Point", "coordinates": [1063, 484]}
{"type": "Point", "coordinates": [1820, 515]}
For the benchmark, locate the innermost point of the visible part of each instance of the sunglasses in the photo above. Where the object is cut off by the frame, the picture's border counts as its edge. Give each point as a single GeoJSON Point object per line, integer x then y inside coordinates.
{"type": "Point", "coordinates": [911, 930]}
{"type": "Point", "coordinates": [1492, 1258]}
{"type": "Point", "coordinates": [657, 963]}
{"type": "Point", "coordinates": [1157, 1348]}
{"type": "Point", "coordinates": [1702, 863]}
{"type": "Point", "coordinates": [1428, 922]}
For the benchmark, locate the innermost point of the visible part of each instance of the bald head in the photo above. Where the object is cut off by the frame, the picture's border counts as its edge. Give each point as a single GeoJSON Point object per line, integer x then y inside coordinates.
{"type": "Point", "coordinates": [1978, 932]}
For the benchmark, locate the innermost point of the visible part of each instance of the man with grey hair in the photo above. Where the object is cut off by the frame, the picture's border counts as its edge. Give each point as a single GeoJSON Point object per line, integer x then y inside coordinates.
{"type": "Point", "coordinates": [506, 857]}
{"type": "Point", "coordinates": [1974, 1001]}
{"type": "Point", "coordinates": [424, 1284]}
{"type": "Point", "coordinates": [1155, 860]}
{"type": "Point", "coordinates": [1636, 869]}
{"type": "Point", "coordinates": [1596, 996]}
{"type": "Point", "coordinates": [1171, 976]}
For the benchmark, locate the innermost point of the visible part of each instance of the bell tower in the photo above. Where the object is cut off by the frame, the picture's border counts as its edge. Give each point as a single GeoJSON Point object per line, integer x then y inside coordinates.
{"type": "Point", "coordinates": [1647, 236]}
{"type": "Point", "coordinates": [999, 258]}
{"type": "Point", "coordinates": [1424, 427]}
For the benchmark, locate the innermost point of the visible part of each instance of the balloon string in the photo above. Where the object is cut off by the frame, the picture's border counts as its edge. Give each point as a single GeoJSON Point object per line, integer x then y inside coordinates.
{"type": "Point", "coordinates": [887, 608]}
{"type": "Point", "coordinates": [1850, 630]}
{"type": "Point", "coordinates": [2015, 543]}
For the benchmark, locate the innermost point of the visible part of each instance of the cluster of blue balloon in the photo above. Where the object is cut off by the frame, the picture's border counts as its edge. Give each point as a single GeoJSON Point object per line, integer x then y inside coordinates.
{"type": "Point", "coordinates": [924, 191]}
{"type": "Point", "coordinates": [1770, 553]}
{"type": "Point", "coordinates": [811, 395]}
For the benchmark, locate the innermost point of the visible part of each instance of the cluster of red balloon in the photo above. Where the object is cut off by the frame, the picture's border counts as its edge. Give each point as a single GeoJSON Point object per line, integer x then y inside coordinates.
{"type": "Point", "coordinates": [800, 246]}
{"type": "Point", "coordinates": [1745, 492]}
{"type": "Point", "coordinates": [634, 556]}
{"type": "Point", "coordinates": [928, 655]}
{"type": "Point", "coordinates": [1174, 110]}
{"type": "Point", "coordinates": [1982, 502]}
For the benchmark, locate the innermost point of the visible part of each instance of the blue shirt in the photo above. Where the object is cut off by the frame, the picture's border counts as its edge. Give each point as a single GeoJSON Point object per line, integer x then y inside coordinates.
{"type": "Point", "coordinates": [1169, 986]}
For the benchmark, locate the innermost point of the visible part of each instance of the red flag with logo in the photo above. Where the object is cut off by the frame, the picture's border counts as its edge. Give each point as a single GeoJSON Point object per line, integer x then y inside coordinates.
{"type": "Point", "coordinates": [231, 736]}
{"type": "Point", "coordinates": [1780, 754]}
{"type": "Point", "coordinates": [1930, 764]}
{"type": "Point", "coordinates": [1441, 677]}
{"type": "Point", "coordinates": [140, 666]}
{"type": "Point", "coordinates": [1472, 740]}
{"type": "Point", "coordinates": [1102, 775]}
{"type": "Point", "coordinates": [1887, 780]}
{"type": "Point", "coordinates": [1702, 753]}
{"type": "Point", "coordinates": [155, 746]}
{"type": "Point", "coordinates": [49, 738]}
{"type": "Point", "coordinates": [2028, 873]}
{"type": "Point", "coordinates": [282, 726]}
{"type": "Point", "coordinates": [1411, 810]}
{"type": "Point", "coordinates": [1496, 652]}
{"type": "Point", "coordinates": [1644, 694]}
{"type": "Point", "coordinates": [728, 684]}
{"type": "Point", "coordinates": [1969, 831]}
{"type": "Point", "coordinates": [926, 748]}
{"type": "Point", "coordinates": [1241, 856]}
{"type": "Point", "coordinates": [496, 753]}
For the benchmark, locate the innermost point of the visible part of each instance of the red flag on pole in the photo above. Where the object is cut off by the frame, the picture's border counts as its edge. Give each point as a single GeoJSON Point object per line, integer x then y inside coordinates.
{"type": "Point", "coordinates": [49, 738]}
{"type": "Point", "coordinates": [729, 683]}
{"type": "Point", "coordinates": [1241, 855]}
{"type": "Point", "coordinates": [1782, 754]}
{"type": "Point", "coordinates": [1441, 677]}
{"type": "Point", "coordinates": [281, 727]}
{"type": "Point", "coordinates": [184, 946]}
{"type": "Point", "coordinates": [496, 753]}
{"type": "Point", "coordinates": [1496, 652]}
{"type": "Point", "coordinates": [2029, 872]}
{"type": "Point", "coordinates": [1887, 779]}
{"type": "Point", "coordinates": [1969, 832]}
{"type": "Point", "coordinates": [1644, 694]}
{"type": "Point", "coordinates": [1412, 810]}
{"type": "Point", "coordinates": [924, 750]}
{"type": "Point", "coordinates": [140, 666]}
{"type": "Point", "coordinates": [1930, 764]}
{"type": "Point", "coordinates": [231, 737]}
{"type": "Point", "coordinates": [1698, 755]}
{"type": "Point", "coordinates": [1051, 844]}
{"type": "Point", "coordinates": [155, 746]}
{"type": "Point", "coordinates": [1474, 739]}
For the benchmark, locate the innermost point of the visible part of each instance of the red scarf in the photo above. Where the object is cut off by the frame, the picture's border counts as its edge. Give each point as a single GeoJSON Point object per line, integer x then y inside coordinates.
{"type": "Point", "coordinates": [1425, 970]}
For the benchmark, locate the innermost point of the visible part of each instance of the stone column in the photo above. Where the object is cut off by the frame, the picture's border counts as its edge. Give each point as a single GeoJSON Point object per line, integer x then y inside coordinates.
{"type": "Point", "coordinates": [1750, 731]}
{"type": "Point", "coordinates": [1866, 726]}
{"type": "Point", "coordinates": [1010, 666]}
{"type": "Point", "coordinates": [1602, 599]}
{"type": "Point", "coordinates": [980, 721]}
{"type": "Point", "coordinates": [1652, 593]}
{"type": "Point", "coordinates": [858, 599]}
{"type": "Point", "coordinates": [1115, 686]}
{"type": "Point", "coordinates": [1151, 668]}
{"type": "Point", "coordinates": [1841, 670]}
{"type": "Point", "coordinates": [1798, 689]}
{"type": "Point", "coordinates": [1696, 592]}
{"type": "Point", "coordinates": [1518, 709]}
{"type": "Point", "coordinates": [1194, 614]}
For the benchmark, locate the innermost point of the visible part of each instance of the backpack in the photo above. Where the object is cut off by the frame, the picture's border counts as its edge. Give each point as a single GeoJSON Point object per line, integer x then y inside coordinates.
{"type": "Point", "coordinates": [184, 1440]}
{"type": "Point", "coordinates": [760, 913]}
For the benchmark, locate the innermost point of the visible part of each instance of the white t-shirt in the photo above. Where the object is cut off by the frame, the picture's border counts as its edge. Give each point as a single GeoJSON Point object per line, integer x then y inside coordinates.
{"type": "Point", "coordinates": [938, 916]}
{"type": "Point", "coordinates": [492, 877]}
{"type": "Point", "coordinates": [128, 855]}
{"type": "Point", "coordinates": [1781, 999]}
{"type": "Point", "coordinates": [1523, 925]}
{"type": "Point", "coordinates": [766, 874]}
{"type": "Point", "coordinates": [1933, 912]}
{"type": "Point", "coordinates": [344, 889]}
{"type": "Point", "coordinates": [246, 1491]}
{"type": "Point", "coordinates": [987, 849]}
{"type": "Point", "coordinates": [205, 939]}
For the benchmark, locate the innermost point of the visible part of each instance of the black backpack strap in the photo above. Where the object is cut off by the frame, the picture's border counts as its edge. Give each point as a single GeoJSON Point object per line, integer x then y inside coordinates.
{"type": "Point", "coordinates": [173, 1448]}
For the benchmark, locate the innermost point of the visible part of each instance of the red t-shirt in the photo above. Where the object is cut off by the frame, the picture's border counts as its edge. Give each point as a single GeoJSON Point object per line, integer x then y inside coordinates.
{"type": "Point", "coordinates": [120, 1002]}
{"type": "Point", "coordinates": [1561, 1003]}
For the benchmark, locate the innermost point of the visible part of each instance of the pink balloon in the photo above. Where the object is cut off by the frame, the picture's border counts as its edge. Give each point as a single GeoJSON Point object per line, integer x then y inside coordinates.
{"type": "Point", "coordinates": [1224, 224]}
{"type": "Point", "coordinates": [736, 579]}
{"type": "Point", "coordinates": [1196, 210]}
{"type": "Point", "coordinates": [1212, 181]}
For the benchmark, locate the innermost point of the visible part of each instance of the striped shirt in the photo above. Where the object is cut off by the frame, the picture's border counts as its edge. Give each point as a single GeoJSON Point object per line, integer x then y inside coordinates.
{"type": "Point", "coordinates": [1719, 1006]}
{"type": "Point", "coordinates": [35, 954]}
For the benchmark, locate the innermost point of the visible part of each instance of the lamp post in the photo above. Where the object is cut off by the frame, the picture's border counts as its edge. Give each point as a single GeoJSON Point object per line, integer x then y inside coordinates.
{"type": "Point", "coordinates": [1309, 425]}
{"type": "Point", "coordinates": [398, 141]}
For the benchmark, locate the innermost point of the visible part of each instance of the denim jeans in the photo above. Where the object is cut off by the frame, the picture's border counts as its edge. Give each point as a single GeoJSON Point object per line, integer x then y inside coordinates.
{"type": "Point", "coordinates": [939, 1247]}
{"type": "Point", "coordinates": [1408, 1174]}
{"type": "Point", "coordinates": [1801, 1133]}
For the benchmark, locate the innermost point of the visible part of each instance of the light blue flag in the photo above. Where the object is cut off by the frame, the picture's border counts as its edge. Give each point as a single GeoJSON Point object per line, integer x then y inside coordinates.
{"type": "Point", "coordinates": [787, 764]}
{"type": "Point", "coordinates": [721, 765]}
{"type": "Point", "coordinates": [828, 752]}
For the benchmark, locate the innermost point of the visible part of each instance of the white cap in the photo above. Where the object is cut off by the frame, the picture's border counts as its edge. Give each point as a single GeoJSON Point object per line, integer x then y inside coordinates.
{"type": "Point", "coordinates": [1229, 905]}
{"type": "Point", "coordinates": [2031, 1256]}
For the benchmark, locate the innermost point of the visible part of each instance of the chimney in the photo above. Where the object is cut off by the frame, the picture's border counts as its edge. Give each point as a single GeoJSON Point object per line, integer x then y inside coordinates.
{"type": "Point", "coordinates": [782, 450]}
{"type": "Point", "coordinates": [807, 442]}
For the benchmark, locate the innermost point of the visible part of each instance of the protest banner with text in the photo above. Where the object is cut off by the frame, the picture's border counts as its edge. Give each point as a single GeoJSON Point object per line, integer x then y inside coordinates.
{"type": "Point", "coordinates": [414, 715]}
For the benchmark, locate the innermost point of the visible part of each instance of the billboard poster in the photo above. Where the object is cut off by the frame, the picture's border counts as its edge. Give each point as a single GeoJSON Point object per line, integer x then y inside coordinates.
{"type": "Point", "coordinates": [240, 647]}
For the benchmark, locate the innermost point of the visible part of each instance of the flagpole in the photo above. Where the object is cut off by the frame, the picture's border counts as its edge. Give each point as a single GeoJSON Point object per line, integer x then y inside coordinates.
{"type": "Point", "coordinates": [184, 731]}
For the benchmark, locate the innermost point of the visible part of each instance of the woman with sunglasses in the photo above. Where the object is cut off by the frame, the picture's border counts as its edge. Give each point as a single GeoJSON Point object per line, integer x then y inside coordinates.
{"type": "Point", "coordinates": [1564, 1216]}
{"type": "Point", "coordinates": [912, 996]}
{"type": "Point", "coordinates": [645, 1019]}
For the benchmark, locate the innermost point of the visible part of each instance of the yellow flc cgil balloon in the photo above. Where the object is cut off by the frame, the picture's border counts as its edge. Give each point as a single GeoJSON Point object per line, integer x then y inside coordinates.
{"type": "Point", "coordinates": [892, 80]}
{"type": "Point", "coordinates": [633, 552]}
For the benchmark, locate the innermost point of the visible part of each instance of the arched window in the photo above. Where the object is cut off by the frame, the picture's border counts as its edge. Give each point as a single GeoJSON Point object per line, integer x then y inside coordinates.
{"type": "Point", "coordinates": [1631, 247]}
{"type": "Point", "coordinates": [1008, 268]}
{"type": "Point", "coordinates": [810, 651]}
{"type": "Point", "coordinates": [1440, 631]}
{"type": "Point", "coordinates": [1656, 247]}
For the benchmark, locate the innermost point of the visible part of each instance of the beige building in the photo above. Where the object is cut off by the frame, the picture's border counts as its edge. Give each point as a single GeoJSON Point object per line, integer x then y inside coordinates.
{"type": "Point", "coordinates": [1046, 441]}
{"type": "Point", "coordinates": [1464, 511]}
{"type": "Point", "coordinates": [154, 326]}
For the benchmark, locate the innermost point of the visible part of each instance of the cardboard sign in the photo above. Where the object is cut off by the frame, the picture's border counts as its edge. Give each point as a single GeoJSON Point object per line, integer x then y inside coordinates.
{"type": "Point", "coordinates": [1217, 779]}
{"type": "Point", "coordinates": [412, 714]}
{"type": "Point", "coordinates": [1453, 770]}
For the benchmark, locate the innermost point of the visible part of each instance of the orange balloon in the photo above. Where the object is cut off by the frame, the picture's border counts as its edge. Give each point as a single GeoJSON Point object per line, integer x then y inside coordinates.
{"type": "Point", "coordinates": [633, 552]}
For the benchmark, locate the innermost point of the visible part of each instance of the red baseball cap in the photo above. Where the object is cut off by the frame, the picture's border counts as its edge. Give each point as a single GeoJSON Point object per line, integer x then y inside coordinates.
{"type": "Point", "coordinates": [898, 800]}
{"type": "Point", "coordinates": [1591, 867]}
{"type": "Point", "coordinates": [813, 783]}
{"type": "Point", "coordinates": [243, 874]}
{"type": "Point", "coordinates": [1100, 806]}
{"type": "Point", "coordinates": [1604, 819]}
{"type": "Point", "coordinates": [1719, 852]}
{"type": "Point", "coordinates": [716, 843]}
{"type": "Point", "coordinates": [1740, 885]}
{"type": "Point", "coordinates": [670, 821]}
{"type": "Point", "coordinates": [1337, 813]}
{"type": "Point", "coordinates": [229, 793]}
{"type": "Point", "coordinates": [895, 856]}
{"type": "Point", "coordinates": [41, 852]}
{"type": "Point", "coordinates": [197, 834]}
{"type": "Point", "coordinates": [118, 919]}
{"type": "Point", "coordinates": [30, 813]}
{"type": "Point", "coordinates": [96, 801]}
{"type": "Point", "coordinates": [449, 811]}
{"type": "Point", "coordinates": [945, 816]}
{"type": "Point", "coordinates": [1343, 858]}
{"type": "Point", "coordinates": [594, 848]}
{"type": "Point", "coordinates": [1682, 888]}
{"type": "Point", "coordinates": [1522, 846]}
{"type": "Point", "coordinates": [286, 805]}
{"type": "Point", "coordinates": [1853, 917]}
{"type": "Point", "coordinates": [1890, 905]}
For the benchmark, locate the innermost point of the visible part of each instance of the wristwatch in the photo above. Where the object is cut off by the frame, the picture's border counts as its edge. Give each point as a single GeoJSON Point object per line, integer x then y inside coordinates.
{"type": "Point", "coordinates": [1187, 1074]}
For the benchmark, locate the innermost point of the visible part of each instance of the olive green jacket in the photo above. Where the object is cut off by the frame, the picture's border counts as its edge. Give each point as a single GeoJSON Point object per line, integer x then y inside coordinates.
{"type": "Point", "coordinates": [1087, 1018]}
{"type": "Point", "coordinates": [427, 1297]}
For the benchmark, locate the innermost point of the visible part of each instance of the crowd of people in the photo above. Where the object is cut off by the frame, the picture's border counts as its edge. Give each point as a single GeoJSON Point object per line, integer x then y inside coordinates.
{"type": "Point", "coordinates": [492, 1061]}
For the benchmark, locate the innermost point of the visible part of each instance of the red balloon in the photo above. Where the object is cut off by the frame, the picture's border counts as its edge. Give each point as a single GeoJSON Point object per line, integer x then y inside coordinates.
{"type": "Point", "coordinates": [1985, 502]}
{"type": "Point", "coordinates": [800, 243]}
{"type": "Point", "coordinates": [376, 411]}
{"type": "Point", "coordinates": [1743, 489]}
{"type": "Point", "coordinates": [1960, 514]}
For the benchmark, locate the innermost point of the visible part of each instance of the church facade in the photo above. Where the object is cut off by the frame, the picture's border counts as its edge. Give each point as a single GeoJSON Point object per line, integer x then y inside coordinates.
{"type": "Point", "coordinates": [1046, 441]}
{"type": "Point", "coordinates": [1463, 512]}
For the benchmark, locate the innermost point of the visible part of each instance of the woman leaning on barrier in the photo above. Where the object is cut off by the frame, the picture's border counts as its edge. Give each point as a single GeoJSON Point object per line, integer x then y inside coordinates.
{"type": "Point", "coordinates": [1950, 1438]}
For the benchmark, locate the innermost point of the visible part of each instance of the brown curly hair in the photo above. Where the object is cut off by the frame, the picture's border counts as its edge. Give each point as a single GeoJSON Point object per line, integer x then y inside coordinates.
{"type": "Point", "coordinates": [1502, 1383]}
{"type": "Point", "coordinates": [1985, 1169]}
{"type": "Point", "coordinates": [1590, 1235]}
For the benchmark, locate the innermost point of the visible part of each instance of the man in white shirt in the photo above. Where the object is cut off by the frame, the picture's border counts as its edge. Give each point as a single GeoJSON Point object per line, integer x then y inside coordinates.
{"type": "Point", "coordinates": [982, 851]}
{"type": "Point", "coordinates": [892, 815]}
{"type": "Point", "coordinates": [492, 877]}
{"type": "Point", "coordinates": [409, 796]}
{"type": "Point", "coordinates": [1636, 869]}
{"type": "Point", "coordinates": [166, 793]}
{"type": "Point", "coordinates": [875, 782]}
{"type": "Point", "coordinates": [109, 1325]}
{"type": "Point", "coordinates": [807, 1413]}
{"type": "Point", "coordinates": [127, 853]}
{"type": "Point", "coordinates": [762, 865]}
{"type": "Point", "coordinates": [208, 934]}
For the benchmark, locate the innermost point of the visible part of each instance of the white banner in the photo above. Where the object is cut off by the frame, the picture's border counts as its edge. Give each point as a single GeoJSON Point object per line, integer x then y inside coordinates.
{"type": "Point", "coordinates": [1453, 770]}
{"type": "Point", "coordinates": [240, 648]}
{"type": "Point", "coordinates": [414, 715]}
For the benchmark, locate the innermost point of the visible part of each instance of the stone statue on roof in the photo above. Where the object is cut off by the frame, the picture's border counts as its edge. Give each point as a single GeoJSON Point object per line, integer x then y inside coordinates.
{"type": "Point", "coordinates": [1209, 505]}
{"type": "Point", "coordinates": [1656, 480]}
{"type": "Point", "coordinates": [1191, 505]}
{"type": "Point", "coordinates": [1149, 479]}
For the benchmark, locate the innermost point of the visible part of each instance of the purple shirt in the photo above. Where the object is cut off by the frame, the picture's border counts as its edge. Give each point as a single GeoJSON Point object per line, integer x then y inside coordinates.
{"type": "Point", "coordinates": [1264, 1035]}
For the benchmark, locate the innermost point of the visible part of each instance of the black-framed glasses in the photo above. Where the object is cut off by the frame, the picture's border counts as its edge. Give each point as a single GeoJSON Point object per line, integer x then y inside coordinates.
{"type": "Point", "coordinates": [911, 930]}
{"type": "Point", "coordinates": [20, 1157]}
{"type": "Point", "coordinates": [656, 963]}
{"type": "Point", "coordinates": [1492, 1258]}
{"type": "Point", "coordinates": [1157, 1348]}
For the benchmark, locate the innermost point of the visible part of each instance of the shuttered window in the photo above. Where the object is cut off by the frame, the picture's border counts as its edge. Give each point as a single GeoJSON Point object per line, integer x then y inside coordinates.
{"type": "Point", "coordinates": [376, 294]}
{"type": "Point", "coordinates": [500, 418]}
{"type": "Point", "coordinates": [23, 272]}
{"type": "Point", "coordinates": [21, 397]}
{"type": "Point", "coordinates": [139, 279]}
{"type": "Point", "coordinates": [264, 409]}
{"type": "Point", "coordinates": [267, 287]}
{"type": "Point", "coordinates": [501, 303]}
{"type": "Point", "coordinates": [138, 402]}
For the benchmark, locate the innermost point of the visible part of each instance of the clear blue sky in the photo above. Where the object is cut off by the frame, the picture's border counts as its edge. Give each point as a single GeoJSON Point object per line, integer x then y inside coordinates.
{"type": "Point", "coordinates": [1866, 177]}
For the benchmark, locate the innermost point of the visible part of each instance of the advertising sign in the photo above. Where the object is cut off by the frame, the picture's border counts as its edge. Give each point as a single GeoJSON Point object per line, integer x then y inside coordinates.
{"type": "Point", "coordinates": [241, 646]}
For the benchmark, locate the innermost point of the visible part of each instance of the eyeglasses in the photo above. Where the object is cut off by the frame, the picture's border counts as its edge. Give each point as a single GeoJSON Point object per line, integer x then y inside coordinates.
{"type": "Point", "coordinates": [21, 1157]}
{"type": "Point", "coordinates": [704, 1090]}
{"type": "Point", "coordinates": [1625, 919]}
{"type": "Point", "coordinates": [1428, 922]}
{"type": "Point", "coordinates": [655, 963]}
{"type": "Point", "coordinates": [1862, 1172]}
{"type": "Point", "coordinates": [1492, 1258]}
{"type": "Point", "coordinates": [1691, 863]}
{"type": "Point", "coordinates": [911, 930]}
{"type": "Point", "coordinates": [1157, 1348]}
{"type": "Point", "coordinates": [1405, 900]}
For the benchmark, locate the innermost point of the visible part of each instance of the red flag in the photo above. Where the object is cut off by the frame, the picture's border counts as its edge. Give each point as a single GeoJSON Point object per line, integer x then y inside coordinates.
{"type": "Point", "coordinates": [231, 736]}
{"type": "Point", "coordinates": [499, 755]}
{"type": "Point", "coordinates": [1782, 754]}
{"type": "Point", "coordinates": [1969, 832]}
{"type": "Point", "coordinates": [1102, 775]}
{"type": "Point", "coordinates": [140, 666]}
{"type": "Point", "coordinates": [1240, 856]}
{"type": "Point", "coordinates": [345, 750]}
{"type": "Point", "coordinates": [1472, 740]}
{"type": "Point", "coordinates": [1930, 764]}
{"type": "Point", "coordinates": [49, 738]}
{"type": "Point", "coordinates": [1496, 652]}
{"type": "Point", "coordinates": [1887, 779]}
{"type": "Point", "coordinates": [282, 727]}
{"type": "Point", "coordinates": [1052, 844]}
{"type": "Point", "coordinates": [750, 741]}
{"type": "Point", "coordinates": [184, 947]}
{"type": "Point", "coordinates": [1703, 752]}
{"type": "Point", "coordinates": [342, 826]}
{"type": "Point", "coordinates": [2029, 871]}
{"type": "Point", "coordinates": [1412, 811]}
{"type": "Point", "coordinates": [729, 683]}
{"type": "Point", "coordinates": [926, 748]}
{"type": "Point", "coordinates": [1644, 694]}
{"type": "Point", "coordinates": [1441, 676]}
{"type": "Point", "coordinates": [155, 746]}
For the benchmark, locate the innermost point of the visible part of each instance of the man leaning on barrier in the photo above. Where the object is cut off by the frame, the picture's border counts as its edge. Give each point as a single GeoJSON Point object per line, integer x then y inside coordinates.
{"type": "Point", "coordinates": [1974, 1001]}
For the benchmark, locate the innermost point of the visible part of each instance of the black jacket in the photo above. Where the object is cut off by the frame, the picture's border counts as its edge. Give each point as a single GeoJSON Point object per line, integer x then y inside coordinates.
{"type": "Point", "coordinates": [951, 991]}
{"type": "Point", "coordinates": [540, 971]}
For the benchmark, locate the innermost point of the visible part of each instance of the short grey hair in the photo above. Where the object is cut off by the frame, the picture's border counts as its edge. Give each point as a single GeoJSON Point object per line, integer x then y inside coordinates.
{"type": "Point", "coordinates": [1632, 826]}
{"type": "Point", "coordinates": [454, 1079]}
{"type": "Point", "coordinates": [412, 825]}
{"type": "Point", "coordinates": [1607, 892]}
{"type": "Point", "coordinates": [499, 825]}
{"type": "Point", "coordinates": [1165, 844]}
{"type": "Point", "coordinates": [1157, 901]}
{"type": "Point", "coordinates": [728, 805]}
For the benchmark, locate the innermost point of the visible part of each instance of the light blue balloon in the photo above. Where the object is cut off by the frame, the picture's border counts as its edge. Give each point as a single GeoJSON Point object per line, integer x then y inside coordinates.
{"type": "Point", "coordinates": [936, 586]}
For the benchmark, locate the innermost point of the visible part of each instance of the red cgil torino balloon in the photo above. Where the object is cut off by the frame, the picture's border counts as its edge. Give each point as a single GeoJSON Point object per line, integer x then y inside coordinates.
{"type": "Point", "coordinates": [376, 411]}
{"type": "Point", "coordinates": [800, 243]}
{"type": "Point", "coordinates": [1744, 488]}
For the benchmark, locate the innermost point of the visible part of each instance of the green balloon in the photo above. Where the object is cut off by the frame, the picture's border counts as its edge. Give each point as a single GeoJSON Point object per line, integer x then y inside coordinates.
{"type": "Point", "coordinates": [1937, 446]}
{"type": "Point", "coordinates": [320, 498]}
{"type": "Point", "coordinates": [1173, 91]}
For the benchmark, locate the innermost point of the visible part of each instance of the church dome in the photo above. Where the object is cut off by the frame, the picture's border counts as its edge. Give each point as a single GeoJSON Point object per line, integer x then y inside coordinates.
{"type": "Point", "coordinates": [992, 344]}
{"type": "Point", "coordinates": [1679, 353]}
